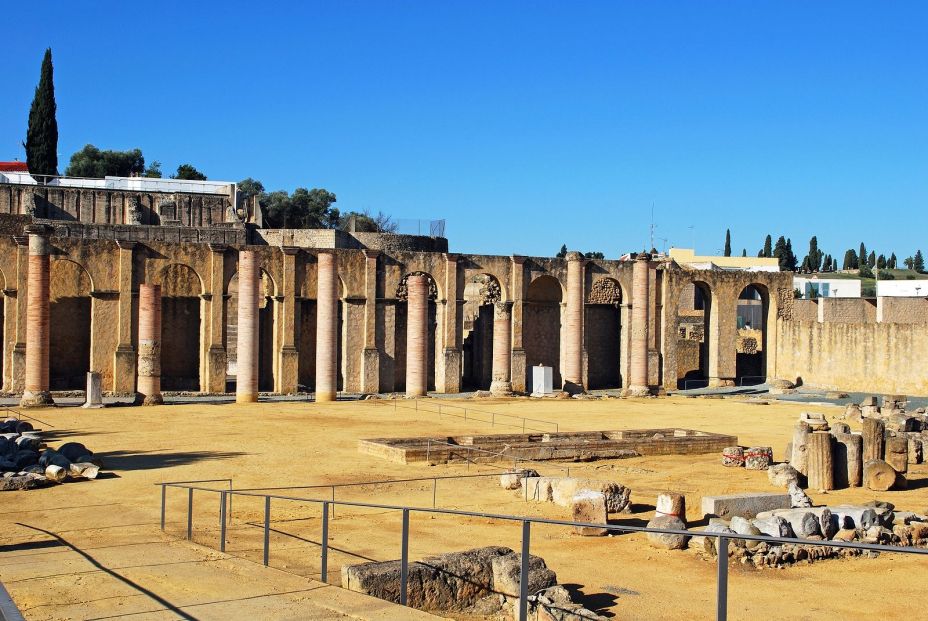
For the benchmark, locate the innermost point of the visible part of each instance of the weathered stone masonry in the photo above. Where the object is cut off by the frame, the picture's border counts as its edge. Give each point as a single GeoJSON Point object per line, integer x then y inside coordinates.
{"type": "Point", "coordinates": [339, 319]}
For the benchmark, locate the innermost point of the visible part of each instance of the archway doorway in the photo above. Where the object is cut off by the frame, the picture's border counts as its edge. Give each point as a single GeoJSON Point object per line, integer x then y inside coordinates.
{"type": "Point", "coordinates": [603, 334]}
{"type": "Point", "coordinates": [480, 294]}
{"type": "Point", "coordinates": [693, 315]}
{"type": "Point", "coordinates": [180, 328]}
{"type": "Point", "coordinates": [541, 327]}
{"type": "Point", "coordinates": [751, 347]}
{"type": "Point", "coordinates": [69, 329]}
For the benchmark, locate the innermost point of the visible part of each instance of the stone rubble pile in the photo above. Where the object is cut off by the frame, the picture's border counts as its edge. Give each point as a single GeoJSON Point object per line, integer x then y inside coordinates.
{"type": "Point", "coordinates": [26, 462]}
{"type": "Point", "coordinates": [482, 582]}
{"type": "Point", "coordinates": [875, 522]}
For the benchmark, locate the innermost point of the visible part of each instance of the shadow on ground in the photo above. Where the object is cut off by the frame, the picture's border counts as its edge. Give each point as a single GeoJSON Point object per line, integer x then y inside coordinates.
{"type": "Point", "coordinates": [150, 460]}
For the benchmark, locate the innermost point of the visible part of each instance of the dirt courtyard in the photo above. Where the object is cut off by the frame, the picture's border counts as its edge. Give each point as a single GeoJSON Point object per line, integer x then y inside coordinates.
{"type": "Point", "coordinates": [293, 443]}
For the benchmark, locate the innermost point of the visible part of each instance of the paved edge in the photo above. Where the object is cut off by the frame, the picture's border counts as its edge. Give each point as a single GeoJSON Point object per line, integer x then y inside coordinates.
{"type": "Point", "coordinates": [8, 610]}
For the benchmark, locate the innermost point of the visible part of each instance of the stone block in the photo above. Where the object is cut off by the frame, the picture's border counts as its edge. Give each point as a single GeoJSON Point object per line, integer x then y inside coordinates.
{"type": "Point", "coordinates": [744, 505]}
{"type": "Point", "coordinates": [507, 570]}
{"type": "Point", "coordinates": [563, 490]}
{"type": "Point", "coordinates": [667, 541]}
{"type": "Point", "coordinates": [758, 457]}
{"type": "Point", "coordinates": [589, 507]}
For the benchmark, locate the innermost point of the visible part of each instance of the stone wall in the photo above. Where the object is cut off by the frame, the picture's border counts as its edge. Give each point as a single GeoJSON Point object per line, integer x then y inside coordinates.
{"type": "Point", "coordinates": [332, 238]}
{"type": "Point", "coordinates": [846, 310]}
{"type": "Point", "coordinates": [902, 310]}
{"type": "Point", "coordinates": [805, 310]}
{"type": "Point", "coordinates": [870, 357]}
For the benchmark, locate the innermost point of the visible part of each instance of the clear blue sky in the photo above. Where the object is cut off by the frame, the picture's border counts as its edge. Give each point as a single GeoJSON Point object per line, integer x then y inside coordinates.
{"type": "Point", "coordinates": [525, 124]}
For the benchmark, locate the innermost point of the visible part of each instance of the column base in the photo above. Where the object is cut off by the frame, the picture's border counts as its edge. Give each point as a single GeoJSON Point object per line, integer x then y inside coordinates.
{"type": "Point", "coordinates": [326, 397]}
{"type": "Point", "coordinates": [637, 391]}
{"type": "Point", "coordinates": [153, 399]}
{"type": "Point", "coordinates": [413, 394]}
{"type": "Point", "coordinates": [573, 388]}
{"type": "Point", "coordinates": [501, 388]}
{"type": "Point", "coordinates": [370, 371]}
{"type": "Point", "coordinates": [40, 399]}
{"type": "Point", "coordinates": [519, 378]}
{"type": "Point", "coordinates": [721, 382]}
{"type": "Point", "coordinates": [247, 397]}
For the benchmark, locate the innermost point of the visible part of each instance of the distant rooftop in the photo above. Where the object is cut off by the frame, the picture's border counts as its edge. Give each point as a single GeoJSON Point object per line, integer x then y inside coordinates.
{"type": "Point", "coordinates": [688, 256]}
{"type": "Point", "coordinates": [13, 167]}
{"type": "Point", "coordinates": [18, 173]}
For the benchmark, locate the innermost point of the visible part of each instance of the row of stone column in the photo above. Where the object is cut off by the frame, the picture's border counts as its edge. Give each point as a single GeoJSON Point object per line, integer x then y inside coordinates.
{"type": "Point", "coordinates": [149, 356]}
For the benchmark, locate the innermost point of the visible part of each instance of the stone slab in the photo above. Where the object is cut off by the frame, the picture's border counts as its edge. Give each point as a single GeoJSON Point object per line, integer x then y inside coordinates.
{"type": "Point", "coordinates": [744, 505]}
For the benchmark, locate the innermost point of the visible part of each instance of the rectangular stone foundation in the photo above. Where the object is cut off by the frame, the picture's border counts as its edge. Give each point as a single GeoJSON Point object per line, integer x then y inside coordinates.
{"type": "Point", "coordinates": [569, 446]}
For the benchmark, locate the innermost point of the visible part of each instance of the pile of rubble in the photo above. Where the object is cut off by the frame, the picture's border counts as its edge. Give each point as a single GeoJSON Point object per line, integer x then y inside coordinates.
{"type": "Point", "coordinates": [482, 582]}
{"type": "Point", "coordinates": [26, 462]}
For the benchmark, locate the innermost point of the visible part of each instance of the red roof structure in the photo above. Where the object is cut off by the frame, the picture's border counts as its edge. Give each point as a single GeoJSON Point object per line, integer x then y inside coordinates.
{"type": "Point", "coordinates": [14, 167]}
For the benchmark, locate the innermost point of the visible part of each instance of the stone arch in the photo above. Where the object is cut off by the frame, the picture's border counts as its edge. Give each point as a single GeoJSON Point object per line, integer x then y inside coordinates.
{"type": "Point", "coordinates": [70, 327]}
{"type": "Point", "coordinates": [541, 326]}
{"type": "Point", "coordinates": [751, 322]}
{"type": "Point", "coordinates": [400, 333]}
{"type": "Point", "coordinates": [697, 340]}
{"type": "Point", "coordinates": [602, 333]}
{"type": "Point", "coordinates": [181, 327]}
{"type": "Point", "coordinates": [481, 292]}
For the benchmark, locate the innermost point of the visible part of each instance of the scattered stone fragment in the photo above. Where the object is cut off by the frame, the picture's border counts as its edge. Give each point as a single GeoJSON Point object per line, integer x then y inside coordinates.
{"type": "Point", "coordinates": [782, 475]}
{"type": "Point", "coordinates": [758, 457]}
{"type": "Point", "coordinates": [512, 478]}
{"type": "Point", "coordinates": [733, 456]}
{"type": "Point", "coordinates": [879, 475]}
{"type": "Point", "coordinates": [797, 497]}
{"type": "Point", "coordinates": [589, 507]}
{"type": "Point", "coordinates": [667, 541]}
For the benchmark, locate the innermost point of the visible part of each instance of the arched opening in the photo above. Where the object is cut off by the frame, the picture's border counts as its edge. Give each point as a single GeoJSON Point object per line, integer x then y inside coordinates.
{"type": "Point", "coordinates": [180, 328]}
{"type": "Point", "coordinates": [541, 327]}
{"type": "Point", "coordinates": [693, 315]}
{"type": "Point", "coordinates": [266, 334]}
{"type": "Point", "coordinates": [751, 348]}
{"type": "Point", "coordinates": [603, 334]}
{"type": "Point", "coordinates": [306, 336]}
{"type": "Point", "coordinates": [400, 334]}
{"type": "Point", "coordinates": [480, 294]}
{"type": "Point", "coordinates": [69, 329]}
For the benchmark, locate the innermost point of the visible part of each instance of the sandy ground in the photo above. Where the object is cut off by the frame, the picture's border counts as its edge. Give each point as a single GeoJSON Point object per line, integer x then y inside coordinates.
{"type": "Point", "coordinates": [102, 555]}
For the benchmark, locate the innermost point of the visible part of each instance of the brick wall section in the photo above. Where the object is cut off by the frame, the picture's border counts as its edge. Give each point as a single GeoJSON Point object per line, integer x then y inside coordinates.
{"type": "Point", "coordinates": [847, 310]}
{"type": "Point", "coordinates": [805, 310]}
{"type": "Point", "coordinates": [902, 310]}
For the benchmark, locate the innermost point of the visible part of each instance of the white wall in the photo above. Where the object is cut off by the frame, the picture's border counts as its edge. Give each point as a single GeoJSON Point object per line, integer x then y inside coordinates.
{"type": "Point", "coordinates": [901, 288]}
{"type": "Point", "coordinates": [830, 287]}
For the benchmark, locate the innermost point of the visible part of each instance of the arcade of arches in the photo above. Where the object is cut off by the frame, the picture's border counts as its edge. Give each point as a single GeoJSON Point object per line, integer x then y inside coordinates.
{"type": "Point", "coordinates": [257, 318]}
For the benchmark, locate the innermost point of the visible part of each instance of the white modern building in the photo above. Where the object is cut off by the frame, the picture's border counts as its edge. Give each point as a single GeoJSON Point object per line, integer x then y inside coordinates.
{"type": "Point", "coordinates": [902, 288]}
{"type": "Point", "coordinates": [827, 287]}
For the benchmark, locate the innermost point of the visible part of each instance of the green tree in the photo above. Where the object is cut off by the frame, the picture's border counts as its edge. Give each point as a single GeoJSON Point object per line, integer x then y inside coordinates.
{"type": "Point", "coordinates": [909, 262]}
{"type": "Point", "coordinates": [727, 242]}
{"type": "Point", "coordinates": [92, 162]}
{"type": "Point", "coordinates": [881, 262]}
{"type": "Point", "coordinates": [865, 271]}
{"type": "Point", "coordinates": [594, 255]}
{"type": "Point", "coordinates": [188, 173]}
{"type": "Point", "coordinates": [862, 254]}
{"type": "Point", "coordinates": [744, 252]}
{"type": "Point", "coordinates": [248, 188]}
{"type": "Point", "coordinates": [42, 132]}
{"type": "Point", "coordinates": [834, 264]}
{"type": "Point", "coordinates": [850, 260]}
{"type": "Point", "coordinates": [779, 251]}
{"type": "Point", "coordinates": [768, 249]}
{"type": "Point", "coordinates": [815, 255]}
{"type": "Point", "coordinates": [871, 260]}
{"type": "Point", "coordinates": [918, 263]}
{"type": "Point", "coordinates": [562, 252]}
{"type": "Point", "coordinates": [790, 255]}
{"type": "Point", "coordinates": [367, 222]}
{"type": "Point", "coordinates": [153, 171]}
{"type": "Point", "coordinates": [891, 264]}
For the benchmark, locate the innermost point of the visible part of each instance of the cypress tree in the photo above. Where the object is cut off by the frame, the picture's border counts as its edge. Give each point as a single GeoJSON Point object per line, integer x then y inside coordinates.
{"type": "Point", "coordinates": [861, 255]}
{"type": "Point", "coordinates": [871, 260]}
{"type": "Point", "coordinates": [881, 262]}
{"type": "Point", "coordinates": [815, 257]}
{"type": "Point", "coordinates": [768, 250]}
{"type": "Point", "coordinates": [42, 133]}
{"type": "Point", "coordinates": [727, 242]}
{"type": "Point", "coordinates": [892, 261]}
{"type": "Point", "coordinates": [744, 252]}
{"type": "Point", "coordinates": [918, 263]}
{"type": "Point", "coordinates": [790, 255]}
{"type": "Point", "coordinates": [779, 251]}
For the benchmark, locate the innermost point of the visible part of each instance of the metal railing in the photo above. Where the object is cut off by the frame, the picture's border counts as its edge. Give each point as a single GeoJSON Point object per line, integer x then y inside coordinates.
{"type": "Point", "coordinates": [723, 539]}
{"type": "Point", "coordinates": [704, 382]}
{"type": "Point", "coordinates": [494, 419]}
{"type": "Point", "coordinates": [743, 380]}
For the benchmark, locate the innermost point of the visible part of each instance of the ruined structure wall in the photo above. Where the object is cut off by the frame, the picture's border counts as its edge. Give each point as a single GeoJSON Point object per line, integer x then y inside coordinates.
{"type": "Point", "coordinates": [902, 310]}
{"type": "Point", "coordinates": [847, 310]}
{"type": "Point", "coordinates": [871, 357]}
{"type": "Point", "coordinates": [805, 310]}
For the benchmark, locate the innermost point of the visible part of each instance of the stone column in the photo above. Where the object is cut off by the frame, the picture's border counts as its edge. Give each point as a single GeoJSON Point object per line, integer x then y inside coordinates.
{"type": "Point", "coordinates": [286, 377]}
{"type": "Point", "coordinates": [148, 391]}
{"type": "Point", "coordinates": [370, 362]}
{"type": "Point", "coordinates": [516, 283]}
{"type": "Point", "coordinates": [326, 328]}
{"type": "Point", "coordinates": [125, 358]}
{"type": "Point", "coordinates": [638, 382]}
{"type": "Point", "coordinates": [36, 391]}
{"type": "Point", "coordinates": [216, 359]}
{"type": "Point", "coordinates": [451, 331]}
{"type": "Point", "coordinates": [417, 335]}
{"type": "Point", "coordinates": [249, 282]}
{"type": "Point", "coordinates": [502, 349]}
{"type": "Point", "coordinates": [573, 343]}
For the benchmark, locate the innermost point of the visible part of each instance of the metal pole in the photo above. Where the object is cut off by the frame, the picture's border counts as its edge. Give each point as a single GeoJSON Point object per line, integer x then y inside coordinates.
{"type": "Point", "coordinates": [721, 606]}
{"type": "Point", "coordinates": [164, 489]}
{"type": "Point", "coordinates": [267, 529]}
{"type": "Point", "coordinates": [222, 521]}
{"type": "Point", "coordinates": [523, 572]}
{"type": "Point", "coordinates": [434, 491]}
{"type": "Point", "coordinates": [333, 501]}
{"type": "Point", "coordinates": [404, 556]}
{"type": "Point", "coordinates": [325, 541]}
{"type": "Point", "coordinates": [190, 513]}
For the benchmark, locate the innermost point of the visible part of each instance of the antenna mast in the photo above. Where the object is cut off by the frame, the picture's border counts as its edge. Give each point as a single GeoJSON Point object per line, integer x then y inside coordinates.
{"type": "Point", "coordinates": [653, 226]}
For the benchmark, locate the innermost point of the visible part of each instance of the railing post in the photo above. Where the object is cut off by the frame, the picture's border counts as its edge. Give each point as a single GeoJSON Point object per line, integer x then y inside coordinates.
{"type": "Point", "coordinates": [333, 501]}
{"type": "Point", "coordinates": [434, 492]}
{"type": "Point", "coordinates": [189, 513]}
{"type": "Point", "coordinates": [164, 489]}
{"type": "Point", "coordinates": [404, 558]}
{"type": "Point", "coordinates": [267, 529]}
{"type": "Point", "coordinates": [222, 521]}
{"type": "Point", "coordinates": [325, 541]}
{"type": "Point", "coordinates": [523, 572]}
{"type": "Point", "coordinates": [721, 607]}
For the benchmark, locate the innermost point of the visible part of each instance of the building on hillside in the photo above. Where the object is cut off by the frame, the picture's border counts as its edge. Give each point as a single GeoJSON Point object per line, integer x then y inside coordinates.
{"type": "Point", "coordinates": [688, 257]}
{"type": "Point", "coordinates": [813, 287]}
{"type": "Point", "coordinates": [902, 288]}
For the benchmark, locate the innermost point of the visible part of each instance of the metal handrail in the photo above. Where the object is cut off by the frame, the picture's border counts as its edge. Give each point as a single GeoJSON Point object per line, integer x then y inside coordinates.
{"type": "Point", "coordinates": [722, 549]}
